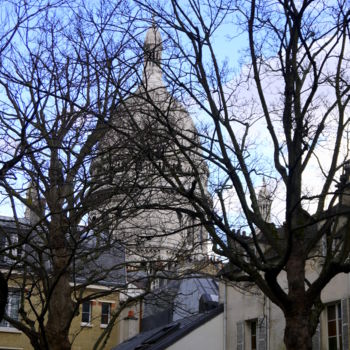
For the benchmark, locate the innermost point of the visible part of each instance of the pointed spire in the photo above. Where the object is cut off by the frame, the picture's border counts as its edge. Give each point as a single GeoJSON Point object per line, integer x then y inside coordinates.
{"type": "Point", "coordinates": [154, 25]}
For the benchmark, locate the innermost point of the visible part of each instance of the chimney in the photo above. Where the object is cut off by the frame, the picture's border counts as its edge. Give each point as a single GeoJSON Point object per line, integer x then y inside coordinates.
{"type": "Point", "coordinates": [129, 327]}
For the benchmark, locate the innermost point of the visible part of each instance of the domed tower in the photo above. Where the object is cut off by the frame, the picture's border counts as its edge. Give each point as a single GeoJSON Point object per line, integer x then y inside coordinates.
{"type": "Point", "coordinates": [140, 156]}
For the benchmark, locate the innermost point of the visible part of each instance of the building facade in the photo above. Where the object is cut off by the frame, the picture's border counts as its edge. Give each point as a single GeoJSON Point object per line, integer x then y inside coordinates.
{"type": "Point", "coordinates": [86, 327]}
{"type": "Point", "coordinates": [253, 322]}
{"type": "Point", "coordinates": [28, 297]}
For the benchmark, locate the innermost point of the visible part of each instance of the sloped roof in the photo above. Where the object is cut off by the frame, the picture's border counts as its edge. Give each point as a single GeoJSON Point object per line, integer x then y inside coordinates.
{"type": "Point", "coordinates": [106, 266]}
{"type": "Point", "coordinates": [94, 263]}
{"type": "Point", "coordinates": [164, 336]}
{"type": "Point", "coordinates": [177, 299]}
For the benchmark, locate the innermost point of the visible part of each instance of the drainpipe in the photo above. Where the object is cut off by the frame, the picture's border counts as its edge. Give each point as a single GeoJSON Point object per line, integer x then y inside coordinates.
{"type": "Point", "coordinates": [225, 315]}
{"type": "Point", "coordinates": [140, 317]}
{"type": "Point", "coordinates": [267, 314]}
{"type": "Point", "coordinates": [269, 325]}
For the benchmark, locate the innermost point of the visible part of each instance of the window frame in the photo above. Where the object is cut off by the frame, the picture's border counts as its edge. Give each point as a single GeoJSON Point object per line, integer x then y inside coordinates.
{"type": "Point", "coordinates": [89, 313]}
{"type": "Point", "coordinates": [190, 237]}
{"type": "Point", "coordinates": [253, 325]}
{"type": "Point", "coordinates": [338, 325]}
{"type": "Point", "coordinates": [9, 308]}
{"type": "Point", "coordinates": [109, 305]}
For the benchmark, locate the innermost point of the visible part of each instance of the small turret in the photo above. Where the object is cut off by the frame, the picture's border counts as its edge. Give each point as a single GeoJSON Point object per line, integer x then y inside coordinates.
{"type": "Point", "coordinates": [265, 202]}
{"type": "Point", "coordinates": [152, 73]}
{"type": "Point", "coordinates": [153, 46]}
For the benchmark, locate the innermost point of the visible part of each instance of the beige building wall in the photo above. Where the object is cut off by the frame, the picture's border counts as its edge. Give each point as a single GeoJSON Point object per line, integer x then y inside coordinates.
{"type": "Point", "coordinates": [85, 336]}
{"type": "Point", "coordinates": [11, 338]}
{"type": "Point", "coordinates": [82, 336]}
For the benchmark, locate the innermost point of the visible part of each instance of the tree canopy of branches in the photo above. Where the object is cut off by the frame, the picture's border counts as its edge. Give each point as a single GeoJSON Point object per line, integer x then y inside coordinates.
{"type": "Point", "coordinates": [283, 119]}
{"type": "Point", "coordinates": [67, 80]}
{"type": "Point", "coordinates": [15, 16]}
{"type": "Point", "coordinates": [64, 66]}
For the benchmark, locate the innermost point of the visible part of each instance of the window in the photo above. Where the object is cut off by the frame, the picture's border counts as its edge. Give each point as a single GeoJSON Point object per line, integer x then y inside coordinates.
{"type": "Point", "coordinates": [180, 218]}
{"type": "Point", "coordinates": [151, 55]}
{"type": "Point", "coordinates": [5, 242]}
{"type": "Point", "coordinates": [240, 335]}
{"type": "Point", "coordinates": [201, 235]}
{"type": "Point", "coordinates": [119, 167]}
{"type": "Point", "coordinates": [105, 313]}
{"type": "Point", "coordinates": [86, 312]}
{"type": "Point", "coordinates": [11, 307]}
{"type": "Point", "coordinates": [155, 284]}
{"type": "Point", "coordinates": [334, 326]}
{"type": "Point", "coordinates": [138, 165]}
{"type": "Point", "coordinates": [253, 325]}
{"type": "Point", "coordinates": [190, 230]}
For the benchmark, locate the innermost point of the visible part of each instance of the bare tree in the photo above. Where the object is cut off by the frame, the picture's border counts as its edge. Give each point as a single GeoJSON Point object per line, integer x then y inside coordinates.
{"type": "Point", "coordinates": [60, 79]}
{"type": "Point", "coordinates": [283, 119]}
{"type": "Point", "coordinates": [65, 111]}
{"type": "Point", "coordinates": [15, 16]}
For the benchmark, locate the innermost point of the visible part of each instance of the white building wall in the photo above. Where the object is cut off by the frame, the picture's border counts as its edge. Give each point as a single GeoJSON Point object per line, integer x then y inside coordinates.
{"type": "Point", "coordinates": [243, 305]}
{"type": "Point", "coordinates": [209, 336]}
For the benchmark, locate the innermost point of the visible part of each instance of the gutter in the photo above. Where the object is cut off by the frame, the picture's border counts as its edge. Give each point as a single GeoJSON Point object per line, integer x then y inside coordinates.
{"type": "Point", "coordinates": [225, 316]}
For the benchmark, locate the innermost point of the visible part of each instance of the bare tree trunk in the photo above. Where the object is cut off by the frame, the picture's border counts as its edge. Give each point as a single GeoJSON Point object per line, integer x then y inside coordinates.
{"type": "Point", "coordinates": [57, 328]}
{"type": "Point", "coordinates": [297, 334]}
{"type": "Point", "coordinates": [61, 306]}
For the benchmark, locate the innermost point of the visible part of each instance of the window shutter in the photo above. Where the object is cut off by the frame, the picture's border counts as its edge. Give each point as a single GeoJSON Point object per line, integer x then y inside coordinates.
{"type": "Point", "coordinates": [316, 339]}
{"type": "Point", "coordinates": [345, 323]}
{"type": "Point", "coordinates": [262, 333]}
{"type": "Point", "coordinates": [240, 335]}
{"type": "Point", "coordinates": [14, 301]}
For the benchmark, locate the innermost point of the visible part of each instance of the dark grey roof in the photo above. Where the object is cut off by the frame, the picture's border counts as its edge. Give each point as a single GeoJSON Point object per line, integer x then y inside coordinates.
{"type": "Point", "coordinates": [9, 222]}
{"type": "Point", "coordinates": [96, 261]}
{"type": "Point", "coordinates": [12, 236]}
{"type": "Point", "coordinates": [106, 266]}
{"type": "Point", "coordinates": [176, 299]}
{"type": "Point", "coordinates": [162, 337]}
{"type": "Point", "coordinates": [189, 293]}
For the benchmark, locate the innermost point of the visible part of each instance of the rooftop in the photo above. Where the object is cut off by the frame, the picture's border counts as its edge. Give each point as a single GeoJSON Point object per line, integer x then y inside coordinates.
{"type": "Point", "coordinates": [164, 336]}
